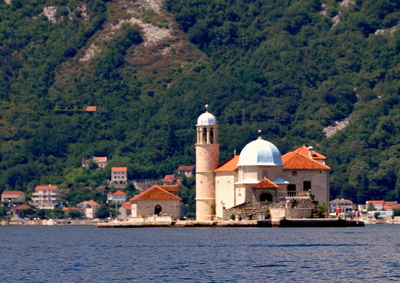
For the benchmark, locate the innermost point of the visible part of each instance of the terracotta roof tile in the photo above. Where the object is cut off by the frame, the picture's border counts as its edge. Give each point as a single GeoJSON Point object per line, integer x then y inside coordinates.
{"type": "Point", "coordinates": [155, 193]}
{"type": "Point", "coordinates": [49, 187]}
{"type": "Point", "coordinates": [22, 207]}
{"type": "Point", "coordinates": [296, 161]}
{"type": "Point", "coordinates": [229, 165]}
{"type": "Point", "coordinates": [91, 202]}
{"type": "Point", "coordinates": [91, 108]}
{"type": "Point", "coordinates": [186, 167]}
{"type": "Point", "coordinates": [119, 193]}
{"type": "Point", "coordinates": [127, 205]}
{"type": "Point", "coordinates": [118, 169]}
{"type": "Point", "coordinates": [304, 151]}
{"type": "Point", "coordinates": [375, 201]}
{"type": "Point", "coordinates": [169, 178]}
{"type": "Point", "coordinates": [170, 188]}
{"type": "Point", "coordinates": [12, 193]}
{"type": "Point", "coordinates": [266, 183]}
{"type": "Point", "coordinates": [100, 158]}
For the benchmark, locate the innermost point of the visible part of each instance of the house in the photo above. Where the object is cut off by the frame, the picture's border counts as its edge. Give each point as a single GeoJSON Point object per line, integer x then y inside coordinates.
{"type": "Point", "coordinates": [91, 108]}
{"type": "Point", "coordinates": [169, 179]}
{"type": "Point", "coordinates": [187, 170]}
{"type": "Point", "coordinates": [101, 161]}
{"type": "Point", "coordinates": [344, 204]}
{"type": "Point", "coordinates": [375, 204]}
{"type": "Point", "coordinates": [257, 178]}
{"type": "Point", "coordinates": [119, 177]}
{"type": "Point", "coordinates": [125, 210]}
{"type": "Point", "coordinates": [21, 208]}
{"type": "Point", "coordinates": [88, 208]}
{"type": "Point", "coordinates": [156, 201]}
{"type": "Point", "coordinates": [45, 197]}
{"type": "Point", "coordinates": [119, 196]}
{"type": "Point", "coordinates": [12, 196]}
{"type": "Point", "coordinates": [390, 205]}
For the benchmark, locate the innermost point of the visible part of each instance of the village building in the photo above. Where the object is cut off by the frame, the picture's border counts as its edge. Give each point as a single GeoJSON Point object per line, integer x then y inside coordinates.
{"type": "Point", "coordinates": [88, 208]}
{"type": "Point", "coordinates": [170, 179]}
{"type": "Point", "coordinates": [118, 197]}
{"type": "Point", "coordinates": [13, 196]}
{"type": "Point", "coordinates": [186, 170]}
{"type": "Point", "coordinates": [100, 161]}
{"type": "Point", "coordinates": [156, 201]}
{"type": "Point", "coordinates": [257, 178]}
{"type": "Point", "coordinates": [374, 204]}
{"type": "Point", "coordinates": [119, 177]}
{"type": "Point", "coordinates": [343, 204]}
{"type": "Point", "coordinates": [19, 209]}
{"type": "Point", "coordinates": [124, 211]}
{"type": "Point", "coordinates": [45, 197]}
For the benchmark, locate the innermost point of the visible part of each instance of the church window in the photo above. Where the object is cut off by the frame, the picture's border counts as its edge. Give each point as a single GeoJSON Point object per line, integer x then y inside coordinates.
{"type": "Point", "coordinates": [212, 135]}
{"type": "Point", "coordinates": [204, 135]}
{"type": "Point", "coordinates": [307, 185]}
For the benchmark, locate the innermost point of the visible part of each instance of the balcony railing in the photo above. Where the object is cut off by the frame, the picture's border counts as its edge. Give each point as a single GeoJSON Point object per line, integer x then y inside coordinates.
{"type": "Point", "coordinates": [289, 195]}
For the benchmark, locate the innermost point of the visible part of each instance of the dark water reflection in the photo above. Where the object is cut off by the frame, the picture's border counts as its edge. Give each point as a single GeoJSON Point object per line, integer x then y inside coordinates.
{"type": "Point", "coordinates": [74, 254]}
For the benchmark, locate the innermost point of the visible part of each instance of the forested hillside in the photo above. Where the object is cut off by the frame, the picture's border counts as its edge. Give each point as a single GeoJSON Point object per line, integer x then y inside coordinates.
{"type": "Point", "coordinates": [290, 67]}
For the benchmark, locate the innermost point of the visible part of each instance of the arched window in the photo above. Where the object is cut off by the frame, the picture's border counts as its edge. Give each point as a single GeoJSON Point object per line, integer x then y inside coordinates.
{"type": "Point", "coordinates": [266, 197]}
{"type": "Point", "coordinates": [212, 135]}
{"type": "Point", "coordinates": [204, 135]}
{"type": "Point", "coordinates": [157, 209]}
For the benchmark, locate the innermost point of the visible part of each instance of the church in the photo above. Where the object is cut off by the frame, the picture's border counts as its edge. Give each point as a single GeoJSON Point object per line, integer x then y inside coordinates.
{"type": "Point", "coordinates": [256, 178]}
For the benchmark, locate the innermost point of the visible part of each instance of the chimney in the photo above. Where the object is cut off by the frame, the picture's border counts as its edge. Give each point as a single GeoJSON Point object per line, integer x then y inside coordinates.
{"type": "Point", "coordinates": [310, 151]}
{"type": "Point", "coordinates": [234, 152]}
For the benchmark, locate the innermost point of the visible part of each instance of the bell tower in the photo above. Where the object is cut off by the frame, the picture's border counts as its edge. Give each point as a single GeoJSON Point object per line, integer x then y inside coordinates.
{"type": "Point", "coordinates": [207, 158]}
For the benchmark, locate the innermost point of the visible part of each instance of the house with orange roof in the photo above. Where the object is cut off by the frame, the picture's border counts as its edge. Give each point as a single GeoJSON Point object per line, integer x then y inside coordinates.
{"type": "Point", "coordinates": [12, 196]}
{"type": "Point", "coordinates": [45, 196]}
{"type": "Point", "coordinates": [256, 178]}
{"type": "Point", "coordinates": [88, 208]}
{"type": "Point", "coordinates": [118, 196]}
{"type": "Point", "coordinates": [124, 211]}
{"type": "Point", "coordinates": [101, 162]}
{"type": "Point", "coordinates": [169, 179]}
{"type": "Point", "coordinates": [187, 170]}
{"type": "Point", "coordinates": [156, 201]}
{"type": "Point", "coordinates": [119, 177]}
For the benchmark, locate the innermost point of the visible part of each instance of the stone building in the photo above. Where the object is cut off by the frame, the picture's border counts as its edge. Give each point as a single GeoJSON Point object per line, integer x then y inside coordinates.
{"type": "Point", "coordinates": [186, 170]}
{"type": "Point", "coordinates": [257, 178]}
{"type": "Point", "coordinates": [13, 196]}
{"type": "Point", "coordinates": [118, 196]}
{"type": "Point", "coordinates": [46, 197]}
{"type": "Point", "coordinates": [119, 177]}
{"type": "Point", "coordinates": [88, 208]}
{"type": "Point", "coordinates": [156, 201]}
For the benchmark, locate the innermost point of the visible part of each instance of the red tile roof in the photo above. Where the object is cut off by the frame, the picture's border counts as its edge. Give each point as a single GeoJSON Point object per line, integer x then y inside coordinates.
{"type": "Point", "coordinates": [169, 178]}
{"type": "Point", "coordinates": [118, 169]}
{"type": "Point", "coordinates": [91, 202]}
{"type": "Point", "coordinates": [391, 206]}
{"type": "Point", "coordinates": [155, 193]}
{"type": "Point", "coordinates": [100, 158]}
{"type": "Point", "coordinates": [170, 188]}
{"type": "Point", "coordinates": [43, 188]}
{"type": "Point", "coordinates": [305, 151]}
{"type": "Point", "coordinates": [186, 167]}
{"type": "Point", "coordinates": [12, 193]}
{"type": "Point", "coordinates": [91, 108]}
{"type": "Point", "coordinates": [266, 183]}
{"type": "Point", "coordinates": [296, 161]}
{"type": "Point", "coordinates": [119, 193]}
{"type": "Point", "coordinates": [22, 207]}
{"type": "Point", "coordinates": [127, 205]}
{"type": "Point", "coordinates": [229, 165]}
{"type": "Point", "coordinates": [375, 201]}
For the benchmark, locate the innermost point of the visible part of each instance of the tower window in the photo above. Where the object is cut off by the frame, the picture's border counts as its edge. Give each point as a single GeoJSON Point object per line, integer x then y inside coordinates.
{"type": "Point", "coordinates": [204, 135]}
{"type": "Point", "coordinates": [212, 135]}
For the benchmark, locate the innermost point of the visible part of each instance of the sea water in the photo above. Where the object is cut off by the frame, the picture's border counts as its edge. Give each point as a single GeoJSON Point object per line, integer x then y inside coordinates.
{"type": "Point", "coordinates": [90, 254]}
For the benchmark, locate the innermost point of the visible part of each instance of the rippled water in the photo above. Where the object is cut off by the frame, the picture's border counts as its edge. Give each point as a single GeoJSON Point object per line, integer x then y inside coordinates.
{"type": "Point", "coordinates": [89, 254]}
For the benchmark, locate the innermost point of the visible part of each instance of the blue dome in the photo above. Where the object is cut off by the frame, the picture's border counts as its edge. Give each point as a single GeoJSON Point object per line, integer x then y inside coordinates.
{"type": "Point", "coordinates": [206, 119]}
{"type": "Point", "coordinates": [260, 153]}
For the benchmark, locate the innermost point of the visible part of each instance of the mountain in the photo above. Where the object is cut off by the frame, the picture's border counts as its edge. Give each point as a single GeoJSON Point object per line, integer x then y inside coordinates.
{"type": "Point", "coordinates": [321, 73]}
